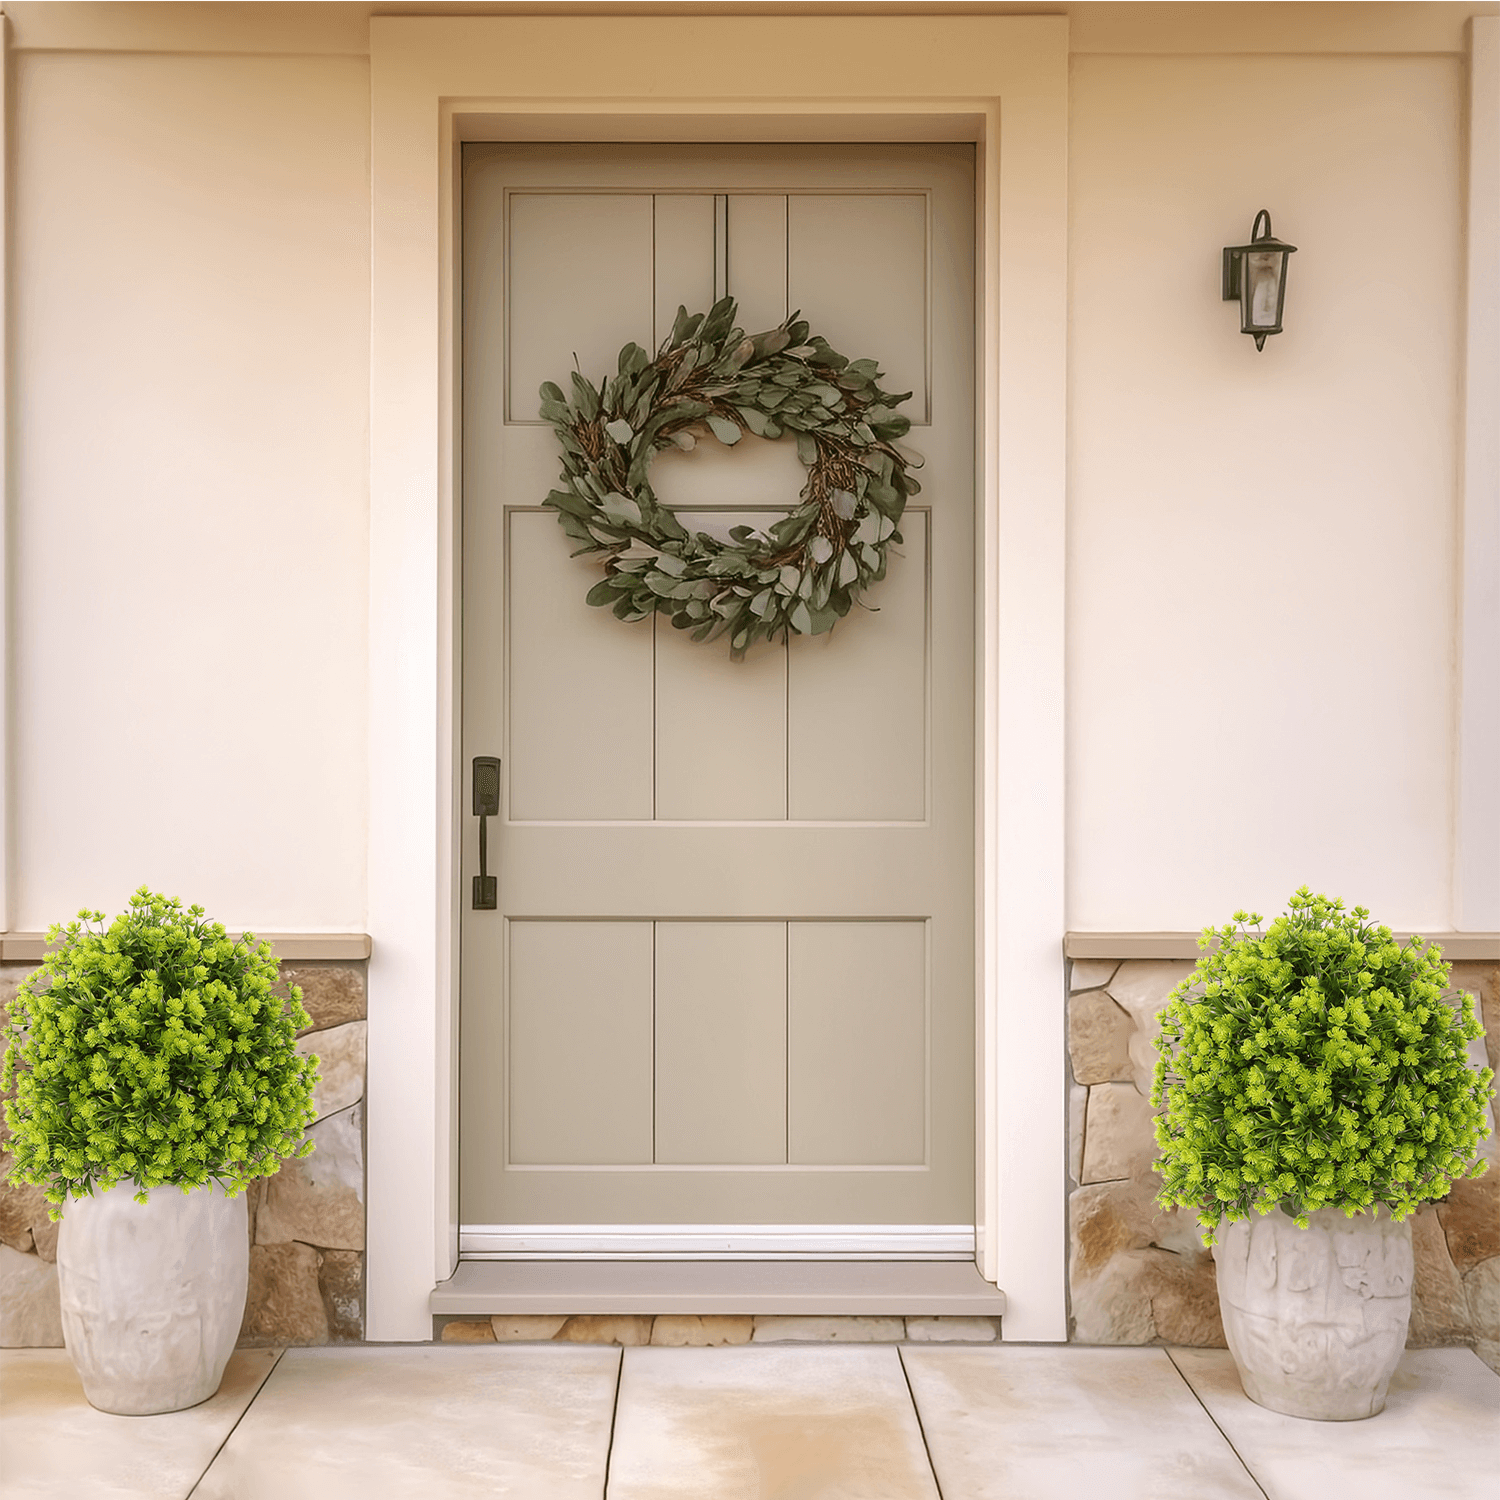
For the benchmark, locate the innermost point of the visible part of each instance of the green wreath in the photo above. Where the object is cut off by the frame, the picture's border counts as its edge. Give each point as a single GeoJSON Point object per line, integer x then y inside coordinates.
{"type": "Point", "coordinates": [802, 574]}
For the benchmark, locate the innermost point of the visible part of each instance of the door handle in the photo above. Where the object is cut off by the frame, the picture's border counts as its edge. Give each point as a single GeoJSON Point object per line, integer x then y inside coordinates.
{"type": "Point", "coordinates": [486, 805]}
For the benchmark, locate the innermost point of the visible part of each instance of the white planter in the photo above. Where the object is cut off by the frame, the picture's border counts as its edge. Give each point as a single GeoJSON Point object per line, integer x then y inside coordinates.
{"type": "Point", "coordinates": [152, 1294]}
{"type": "Point", "coordinates": [1316, 1318]}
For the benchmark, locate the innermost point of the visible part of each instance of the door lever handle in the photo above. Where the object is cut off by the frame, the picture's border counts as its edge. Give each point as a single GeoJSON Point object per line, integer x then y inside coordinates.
{"type": "Point", "coordinates": [486, 805]}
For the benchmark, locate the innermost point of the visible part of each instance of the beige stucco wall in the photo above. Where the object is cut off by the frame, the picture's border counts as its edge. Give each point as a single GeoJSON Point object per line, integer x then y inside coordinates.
{"type": "Point", "coordinates": [190, 314]}
{"type": "Point", "coordinates": [1262, 548]}
{"type": "Point", "coordinates": [1261, 586]}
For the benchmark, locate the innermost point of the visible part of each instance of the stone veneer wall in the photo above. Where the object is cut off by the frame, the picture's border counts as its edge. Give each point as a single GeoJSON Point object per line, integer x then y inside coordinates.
{"type": "Point", "coordinates": [306, 1224]}
{"type": "Point", "coordinates": [1139, 1274]}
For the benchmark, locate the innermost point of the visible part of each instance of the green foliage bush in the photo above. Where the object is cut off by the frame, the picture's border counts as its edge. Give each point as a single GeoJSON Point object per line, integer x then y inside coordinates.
{"type": "Point", "coordinates": [1315, 1064]}
{"type": "Point", "coordinates": [155, 1052]}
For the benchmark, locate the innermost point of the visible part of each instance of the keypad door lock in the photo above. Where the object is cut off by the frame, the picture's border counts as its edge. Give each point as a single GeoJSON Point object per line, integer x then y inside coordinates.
{"type": "Point", "coordinates": [486, 805]}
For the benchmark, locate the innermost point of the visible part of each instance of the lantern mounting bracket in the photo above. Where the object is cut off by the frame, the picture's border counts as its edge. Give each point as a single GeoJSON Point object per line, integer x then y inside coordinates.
{"type": "Point", "coordinates": [1234, 258]}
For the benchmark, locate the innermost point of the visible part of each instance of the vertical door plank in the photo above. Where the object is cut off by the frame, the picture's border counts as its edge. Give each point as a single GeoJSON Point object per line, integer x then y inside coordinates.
{"type": "Point", "coordinates": [720, 724]}
{"type": "Point", "coordinates": [857, 701]}
{"type": "Point", "coordinates": [684, 272]}
{"type": "Point", "coordinates": [580, 284]}
{"type": "Point", "coordinates": [720, 1042]}
{"type": "Point", "coordinates": [757, 258]}
{"type": "Point", "coordinates": [579, 686]}
{"type": "Point", "coordinates": [856, 1043]}
{"type": "Point", "coordinates": [580, 1042]}
{"type": "Point", "coordinates": [857, 267]}
{"type": "Point", "coordinates": [721, 748]}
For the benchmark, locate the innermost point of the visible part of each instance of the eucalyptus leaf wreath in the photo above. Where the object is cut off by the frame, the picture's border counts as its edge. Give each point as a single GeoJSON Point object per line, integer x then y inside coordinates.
{"type": "Point", "coordinates": [799, 576]}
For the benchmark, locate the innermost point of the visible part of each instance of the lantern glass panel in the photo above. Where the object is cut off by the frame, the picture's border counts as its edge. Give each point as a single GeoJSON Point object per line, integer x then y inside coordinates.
{"type": "Point", "coordinates": [1262, 289]}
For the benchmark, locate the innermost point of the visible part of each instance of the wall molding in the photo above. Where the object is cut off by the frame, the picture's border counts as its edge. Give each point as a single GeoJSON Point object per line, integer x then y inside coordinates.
{"type": "Point", "coordinates": [1185, 27]}
{"type": "Point", "coordinates": [7, 497]}
{"type": "Point", "coordinates": [1476, 872]}
{"type": "Point", "coordinates": [28, 947]}
{"type": "Point", "coordinates": [1463, 947]}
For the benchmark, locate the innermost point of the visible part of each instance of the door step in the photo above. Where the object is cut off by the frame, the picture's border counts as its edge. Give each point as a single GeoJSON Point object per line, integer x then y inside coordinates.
{"type": "Point", "coordinates": [856, 1288]}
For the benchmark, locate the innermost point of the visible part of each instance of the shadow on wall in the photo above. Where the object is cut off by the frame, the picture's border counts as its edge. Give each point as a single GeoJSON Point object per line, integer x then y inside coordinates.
{"type": "Point", "coordinates": [307, 1223]}
{"type": "Point", "coordinates": [1139, 1274]}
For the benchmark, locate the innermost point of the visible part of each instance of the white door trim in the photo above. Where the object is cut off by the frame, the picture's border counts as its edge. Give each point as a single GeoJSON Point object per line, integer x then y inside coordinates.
{"type": "Point", "coordinates": [438, 81]}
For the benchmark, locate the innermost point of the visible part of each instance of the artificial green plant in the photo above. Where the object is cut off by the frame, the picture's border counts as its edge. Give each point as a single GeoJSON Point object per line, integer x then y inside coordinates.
{"type": "Point", "coordinates": [1315, 1064]}
{"type": "Point", "coordinates": [155, 1051]}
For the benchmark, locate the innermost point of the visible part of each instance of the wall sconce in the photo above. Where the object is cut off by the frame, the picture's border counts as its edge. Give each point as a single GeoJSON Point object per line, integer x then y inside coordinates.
{"type": "Point", "coordinates": [1255, 276]}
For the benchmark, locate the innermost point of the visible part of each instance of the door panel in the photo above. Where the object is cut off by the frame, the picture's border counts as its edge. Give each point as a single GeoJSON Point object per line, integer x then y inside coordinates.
{"type": "Point", "coordinates": [726, 754]}
{"type": "Point", "coordinates": [683, 265]}
{"type": "Point", "coordinates": [731, 976]}
{"type": "Point", "coordinates": [861, 260]}
{"type": "Point", "coordinates": [580, 1014]}
{"type": "Point", "coordinates": [857, 1043]}
{"type": "Point", "coordinates": [721, 1018]}
{"type": "Point", "coordinates": [583, 727]}
{"type": "Point", "coordinates": [581, 285]}
{"type": "Point", "coordinates": [858, 712]}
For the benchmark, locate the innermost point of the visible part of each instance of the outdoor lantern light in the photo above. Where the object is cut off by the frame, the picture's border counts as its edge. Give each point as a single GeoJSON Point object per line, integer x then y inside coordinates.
{"type": "Point", "coordinates": [1256, 275]}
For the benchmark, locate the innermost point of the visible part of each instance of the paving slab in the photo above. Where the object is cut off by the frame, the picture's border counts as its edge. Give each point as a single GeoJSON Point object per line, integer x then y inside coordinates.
{"type": "Point", "coordinates": [54, 1444]}
{"type": "Point", "coordinates": [441, 1423]}
{"type": "Point", "coordinates": [767, 1423]}
{"type": "Point", "coordinates": [1015, 1421]}
{"type": "Point", "coordinates": [1438, 1437]}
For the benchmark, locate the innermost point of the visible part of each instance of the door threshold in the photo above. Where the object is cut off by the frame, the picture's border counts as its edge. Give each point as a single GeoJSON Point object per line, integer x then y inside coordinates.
{"type": "Point", "coordinates": [716, 1242]}
{"type": "Point", "coordinates": [859, 1288]}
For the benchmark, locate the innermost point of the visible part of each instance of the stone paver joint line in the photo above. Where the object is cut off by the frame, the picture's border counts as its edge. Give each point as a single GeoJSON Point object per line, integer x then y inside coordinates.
{"type": "Point", "coordinates": [937, 1483]}
{"type": "Point", "coordinates": [614, 1417]}
{"type": "Point", "coordinates": [1206, 1412]}
{"type": "Point", "coordinates": [280, 1355]}
{"type": "Point", "coordinates": [1436, 1438]}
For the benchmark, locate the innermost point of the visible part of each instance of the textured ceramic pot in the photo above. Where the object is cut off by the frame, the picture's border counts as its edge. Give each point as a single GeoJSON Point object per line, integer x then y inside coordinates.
{"type": "Point", "coordinates": [1316, 1318]}
{"type": "Point", "coordinates": [152, 1294]}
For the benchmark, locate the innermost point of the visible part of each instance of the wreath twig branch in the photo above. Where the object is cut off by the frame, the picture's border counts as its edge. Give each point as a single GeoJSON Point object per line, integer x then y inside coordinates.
{"type": "Point", "coordinates": [802, 574]}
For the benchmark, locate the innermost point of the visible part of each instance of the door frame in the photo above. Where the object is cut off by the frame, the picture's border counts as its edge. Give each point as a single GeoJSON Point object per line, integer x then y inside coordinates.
{"type": "Point", "coordinates": [437, 82]}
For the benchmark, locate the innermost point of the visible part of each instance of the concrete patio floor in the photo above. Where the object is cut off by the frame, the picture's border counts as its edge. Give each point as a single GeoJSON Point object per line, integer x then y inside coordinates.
{"type": "Point", "coordinates": [787, 1422]}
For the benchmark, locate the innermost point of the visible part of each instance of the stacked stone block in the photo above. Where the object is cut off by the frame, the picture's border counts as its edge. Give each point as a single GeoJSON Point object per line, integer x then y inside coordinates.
{"type": "Point", "coordinates": [1138, 1274]}
{"type": "Point", "coordinates": [29, 1311]}
{"type": "Point", "coordinates": [681, 1330]}
{"type": "Point", "coordinates": [307, 1222]}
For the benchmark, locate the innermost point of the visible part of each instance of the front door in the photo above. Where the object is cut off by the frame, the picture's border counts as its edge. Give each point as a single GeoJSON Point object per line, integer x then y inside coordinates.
{"type": "Point", "coordinates": [730, 979]}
